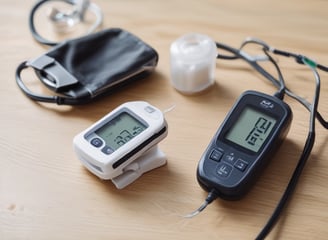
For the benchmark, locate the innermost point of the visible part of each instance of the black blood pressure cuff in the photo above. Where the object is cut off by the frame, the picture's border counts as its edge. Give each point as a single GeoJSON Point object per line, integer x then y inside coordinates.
{"type": "Point", "coordinates": [79, 70]}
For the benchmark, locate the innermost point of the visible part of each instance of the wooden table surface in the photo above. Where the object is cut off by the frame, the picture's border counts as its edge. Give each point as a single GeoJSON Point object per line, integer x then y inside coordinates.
{"type": "Point", "coordinates": [46, 193]}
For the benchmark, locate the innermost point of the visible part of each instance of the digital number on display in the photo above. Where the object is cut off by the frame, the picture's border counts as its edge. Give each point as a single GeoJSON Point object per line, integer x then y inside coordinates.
{"type": "Point", "coordinates": [251, 129]}
{"type": "Point", "coordinates": [120, 130]}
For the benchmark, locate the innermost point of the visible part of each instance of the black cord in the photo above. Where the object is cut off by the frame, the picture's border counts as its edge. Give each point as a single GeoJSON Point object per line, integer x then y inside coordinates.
{"type": "Point", "coordinates": [212, 195]}
{"type": "Point", "coordinates": [298, 58]}
{"type": "Point", "coordinates": [237, 55]}
{"type": "Point", "coordinates": [26, 91]}
{"type": "Point", "coordinates": [300, 165]}
{"type": "Point", "coordinates": [322, 120]}
{"type": "Point", "coordinates": [41, 98]}
{"type": "Point", "coordinates": [290, 187]}
{"type": "Point", "coordinates": [301, 59]}
{"type": "Point", "coordinates": [33, 30]}
{"type": "Point", "coordinates": [281, 92]}
{"type": "Point", "coordinates": [311, 107]}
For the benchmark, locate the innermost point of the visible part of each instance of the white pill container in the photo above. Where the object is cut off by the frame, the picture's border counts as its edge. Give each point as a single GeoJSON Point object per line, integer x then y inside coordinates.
{"type": "Point", "coordinates": [192, 64]}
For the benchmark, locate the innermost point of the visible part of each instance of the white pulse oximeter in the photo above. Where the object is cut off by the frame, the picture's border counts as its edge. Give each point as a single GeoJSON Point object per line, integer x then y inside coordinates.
{"type": "Point", "coordinates": [123, 144]}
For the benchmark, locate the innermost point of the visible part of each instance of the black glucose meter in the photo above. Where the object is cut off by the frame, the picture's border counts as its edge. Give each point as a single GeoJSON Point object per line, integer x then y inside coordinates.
{"type": "Point", "coordinates": [123, 144]}
{"type": "Point", "coordinates": [243, 144]}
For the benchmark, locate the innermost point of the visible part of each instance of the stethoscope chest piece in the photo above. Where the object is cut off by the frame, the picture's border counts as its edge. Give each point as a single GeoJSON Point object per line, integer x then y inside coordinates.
{"type": "Point", "coordinates": [66, 18]}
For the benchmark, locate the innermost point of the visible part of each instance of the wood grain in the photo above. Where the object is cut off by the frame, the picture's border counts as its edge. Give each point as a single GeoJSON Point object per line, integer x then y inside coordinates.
{"type": "Point", "coordinates": [45, 193]}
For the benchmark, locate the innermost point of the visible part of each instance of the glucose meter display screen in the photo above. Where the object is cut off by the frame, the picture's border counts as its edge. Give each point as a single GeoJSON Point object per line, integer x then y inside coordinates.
{"type": "Point", "coordinates": [251, 129]}
{"type": "Point", "coordinates": [120, 130]}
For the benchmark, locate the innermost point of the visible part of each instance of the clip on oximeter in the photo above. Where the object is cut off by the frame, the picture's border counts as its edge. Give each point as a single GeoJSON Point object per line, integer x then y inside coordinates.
{"type": "Point", "coordinates": [123, 144]}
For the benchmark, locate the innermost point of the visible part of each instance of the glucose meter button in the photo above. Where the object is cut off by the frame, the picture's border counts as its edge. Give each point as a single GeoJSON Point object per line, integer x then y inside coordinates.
{"type": "Point", "coordinates": [216, 155]}
{"type": "Point", "coordinates": [241, 164]}
{"type": "Point", "coordinates": [229, 158]}
{"type": "Point", "coordinates": [223, 170]}
{"type": "Point", "coordinates": [97, 142]}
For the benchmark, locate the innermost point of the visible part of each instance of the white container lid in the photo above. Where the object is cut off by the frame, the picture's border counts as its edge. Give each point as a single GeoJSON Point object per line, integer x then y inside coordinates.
{"type": "Point", "coordinates": [193, 58]}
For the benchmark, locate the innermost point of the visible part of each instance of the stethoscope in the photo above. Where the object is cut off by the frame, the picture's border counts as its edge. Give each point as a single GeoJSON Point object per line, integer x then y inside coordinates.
{"type": "Point", "coordinates": [64, 22]}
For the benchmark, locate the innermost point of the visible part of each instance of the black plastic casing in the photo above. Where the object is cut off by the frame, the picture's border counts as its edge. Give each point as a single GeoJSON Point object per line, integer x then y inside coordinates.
{"type": "Point", "coordinates": [235, 169]}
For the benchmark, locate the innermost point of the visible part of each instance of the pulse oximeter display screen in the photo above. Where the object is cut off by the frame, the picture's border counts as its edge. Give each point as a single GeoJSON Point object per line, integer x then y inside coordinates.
{"type": "Point", "coordinates": [120, 130]}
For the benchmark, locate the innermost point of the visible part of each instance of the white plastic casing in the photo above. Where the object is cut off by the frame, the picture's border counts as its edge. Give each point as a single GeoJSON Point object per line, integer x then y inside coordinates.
{"type": "Point", "coordinates": [153, 158]}
{"type": "Point", "coordinates": [101, 164]}
{"type": "Point", "coordinates": [193, 58]}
